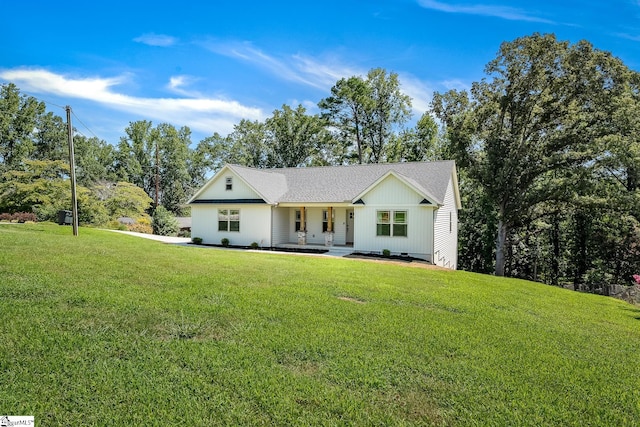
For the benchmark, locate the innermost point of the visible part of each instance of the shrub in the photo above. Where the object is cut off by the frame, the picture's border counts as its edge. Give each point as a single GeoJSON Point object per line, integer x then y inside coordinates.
{"type": "Point", "coordinates": [19, 217]}
{"type": "Point", "coordinates": [386, 252]}
{"type": "Point", "coordinates": [197, 240]}
{"type": "Point", "coordinates": [225, 242]}
{"type": "Point", "coordinates": [254, 245]}
{"type": "Point", "coordinates": [164, 223]}
{"type": "Point", "coordinates": [140, 228]}
{"type": "Point", "coordinates": [24, 217]}
{"type": "Point", "coordinates": [114, 224]}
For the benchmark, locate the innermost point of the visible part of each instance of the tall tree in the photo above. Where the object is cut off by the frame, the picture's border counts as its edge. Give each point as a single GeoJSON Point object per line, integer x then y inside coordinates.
{"type": "Point", "coordinates": [541, 112]}
{"type": "Point", "coordinates": [18, 118]}
{"type": "Point", "coordinates": [294, 137]}
{"type": "Point", "coordinates": [367, 113]}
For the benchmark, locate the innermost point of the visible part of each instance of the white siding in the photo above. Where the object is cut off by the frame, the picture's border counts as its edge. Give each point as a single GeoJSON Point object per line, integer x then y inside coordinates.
{"type": "Point", "coordinates": [217, 189]}
{"type": "Point", "coordinates": [280, 225]}
{"type": "Point", "coordinates": [392, 194]}
{"type": "Point", "coordinates": [255, 224]}
{"type": "Point", "coordinates": [445, 246]}
{"type": "Point", "coordinates": [315, 235]}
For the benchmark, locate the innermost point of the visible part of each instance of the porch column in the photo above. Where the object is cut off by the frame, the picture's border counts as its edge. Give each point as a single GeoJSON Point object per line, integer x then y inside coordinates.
{"type": "Point", "coordinates": [328, 236]}
{"type": "Point", "coordinates": [302, 234]}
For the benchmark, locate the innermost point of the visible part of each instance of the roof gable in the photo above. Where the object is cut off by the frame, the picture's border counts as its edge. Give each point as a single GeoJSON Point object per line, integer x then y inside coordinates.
{"type": "Point", "coordinates": [412, 184]}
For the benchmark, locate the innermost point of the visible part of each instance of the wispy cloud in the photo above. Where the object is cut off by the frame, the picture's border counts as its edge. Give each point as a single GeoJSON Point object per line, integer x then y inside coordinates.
{"type": "Point", "coordinates": [152, 39]}
{"type": "Point", "coordinates": [203, 114]}
{"type": "Point", "coordinates": [320, 74]}
{"type": "Point", "coordinates": [496, 11]}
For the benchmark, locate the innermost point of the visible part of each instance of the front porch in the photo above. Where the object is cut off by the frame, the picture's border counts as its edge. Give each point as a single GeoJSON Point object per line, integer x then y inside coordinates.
{"type": "Point", "coordinates": [313, 226]}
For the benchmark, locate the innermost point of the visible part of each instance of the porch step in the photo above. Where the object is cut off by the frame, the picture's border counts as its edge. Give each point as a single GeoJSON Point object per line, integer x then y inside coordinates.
{"type": "Point", "coordinates": [339, 251]}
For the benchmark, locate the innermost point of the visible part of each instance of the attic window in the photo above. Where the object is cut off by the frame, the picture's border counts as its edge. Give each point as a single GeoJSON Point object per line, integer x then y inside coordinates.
{"type": "Point", "coordinates": [229, 183]}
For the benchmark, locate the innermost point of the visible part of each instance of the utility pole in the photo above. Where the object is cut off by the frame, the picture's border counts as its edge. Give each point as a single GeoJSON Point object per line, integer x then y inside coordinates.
{"type": "Point", "coordinates": [157, 174]}
{"type": "Point", "coordinates": [72, 167]}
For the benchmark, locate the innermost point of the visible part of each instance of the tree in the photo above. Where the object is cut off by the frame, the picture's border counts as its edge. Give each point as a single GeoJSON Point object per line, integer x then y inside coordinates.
{"type": "Point", "coordinates": [50, 138]}
{"type": "Point", "coordinates": [294, 138]}
{"type": "Point", "coordinates": [417, 144]}
{"type": "Point", "coordinates": [123, 199]}
{"type": "Point", "coordinates": [18, 118]}
{"type": "Point", "coordinates": [541, 113]}
{"type": "Point", "coordinates": [173, 146]}
{"type": "Point", "coordinates": [164, 223]}
{"type": "Point", "coordinates": [367, 113]}
{"type": "Point", "coordinates": [94, 160]}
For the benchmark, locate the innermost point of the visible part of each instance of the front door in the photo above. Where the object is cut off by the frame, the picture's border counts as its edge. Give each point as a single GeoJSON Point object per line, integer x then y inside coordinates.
{"type": "Point", "coordinates": [349, 239]}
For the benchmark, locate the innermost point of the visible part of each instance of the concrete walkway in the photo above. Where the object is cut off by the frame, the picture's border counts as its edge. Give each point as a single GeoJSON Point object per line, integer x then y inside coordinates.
{"type": "Point", "coordinates": [164, 239]}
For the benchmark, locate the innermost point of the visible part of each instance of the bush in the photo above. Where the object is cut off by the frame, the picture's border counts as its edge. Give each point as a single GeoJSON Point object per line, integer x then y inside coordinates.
{"type": "Point", "coordinates": [164, 223]}
{"type": "Point", "coordinates": [24, 217]}
{"type": "Point", "coordinates": [386, 252]}
{"type": "Point", "coordinates": [140, 228]}
{"type": "Point", "coordinates": [197, 240]}
{"type": "Point", "coordinates": [225, 242]}
{"type": "Point", "coordinates": [18, 217]}
{"type": "Point", "coordinates": [254, 245]}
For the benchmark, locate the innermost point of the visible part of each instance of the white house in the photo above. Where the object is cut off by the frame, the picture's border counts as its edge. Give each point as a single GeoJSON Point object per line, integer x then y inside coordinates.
{"type": "Point", "coordinates": [407, 208]}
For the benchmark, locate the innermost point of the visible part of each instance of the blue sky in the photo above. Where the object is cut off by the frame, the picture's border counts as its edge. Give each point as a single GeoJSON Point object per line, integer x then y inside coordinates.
{"type": "Point", "coordinates": [207, 65]}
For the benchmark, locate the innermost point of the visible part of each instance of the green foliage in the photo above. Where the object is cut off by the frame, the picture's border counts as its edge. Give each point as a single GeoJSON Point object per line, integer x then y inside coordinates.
{"type": "Point", "coordinates": [294, 138]}
{"type": "Point", "coordinates": [225, 242]}
{"type": "Point", "coordinates": [19, 115]}
{"type": "Point", "coordinates": [197, 240]}
{"type": "Point", "coordinates": [164, 223]}
{"type": "Point", "coordinates": [386, 253]}
{"type": "Point", "coordinates": [254, 245]}
{"type": "Point", "coordinates": [205, 336]}
{"type": "Point", "coordinates": [123, 199]}
{"type": "Point", "coordinates": [367, 112]}
{"type": "Point", "coordinates": [534, 137]}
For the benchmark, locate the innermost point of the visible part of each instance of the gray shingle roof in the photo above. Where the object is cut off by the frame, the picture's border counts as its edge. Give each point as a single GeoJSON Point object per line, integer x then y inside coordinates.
{"type": "Point", "coordinates": [340, 184]}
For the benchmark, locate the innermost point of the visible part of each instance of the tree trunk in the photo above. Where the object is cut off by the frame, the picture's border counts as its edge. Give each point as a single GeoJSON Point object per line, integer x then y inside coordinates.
{"type": "Point", "coordinates": [501, 242]}
{"type": "Point", "coordinates": [555, 242]}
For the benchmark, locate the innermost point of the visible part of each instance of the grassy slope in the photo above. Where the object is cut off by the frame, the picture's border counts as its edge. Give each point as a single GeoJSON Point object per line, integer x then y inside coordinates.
{"type": "Point", "coordinates": [111, 329]}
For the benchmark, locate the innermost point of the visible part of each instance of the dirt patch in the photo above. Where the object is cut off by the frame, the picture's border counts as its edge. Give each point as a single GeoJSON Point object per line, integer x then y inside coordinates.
{"type": "Point", "coordinates": [407, 262]}
{"type": "Point", "coordinates": [356, 300]}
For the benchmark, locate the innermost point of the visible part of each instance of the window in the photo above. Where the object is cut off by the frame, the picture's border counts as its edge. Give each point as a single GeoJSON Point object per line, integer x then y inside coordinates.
{"type": "Point", "coordinates": [228, 183]}
{"type": "Point", "coordinates": [400, 223]}
{"type": "Point", "coordinates": [298, 216]}
{"type": "Point", "coordinates": [228, 220]}
{"type": "Point", "coordinates": [391, 223]}
{"type": "Point", "coordinates": [383, 227]}
{"type": "Point", "coordinates": [325, 220]}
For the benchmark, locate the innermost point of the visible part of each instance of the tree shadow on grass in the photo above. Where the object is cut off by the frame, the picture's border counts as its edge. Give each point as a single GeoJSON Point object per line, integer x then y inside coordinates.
{"type": "Point", "coordinates": [634, 312]}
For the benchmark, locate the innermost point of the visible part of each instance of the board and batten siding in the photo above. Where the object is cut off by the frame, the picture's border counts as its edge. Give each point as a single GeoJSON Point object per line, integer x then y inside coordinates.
{"type": "Point", "coordinates": [445, 245]}
{"type": "Point", "coordinates": [217, 189]}
{"type": "Point", "coordinates": [281, 226]}
{"type": "Point", "coordinates": [392, 194]}
{"type": "Point", "coordinates": [255, 224]}
{"type": "Point", "coordinates": [315, 235]}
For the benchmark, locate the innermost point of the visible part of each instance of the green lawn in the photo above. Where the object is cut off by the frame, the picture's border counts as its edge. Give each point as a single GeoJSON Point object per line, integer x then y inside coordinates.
{"type": "Point", "coordinates": [108, 329]}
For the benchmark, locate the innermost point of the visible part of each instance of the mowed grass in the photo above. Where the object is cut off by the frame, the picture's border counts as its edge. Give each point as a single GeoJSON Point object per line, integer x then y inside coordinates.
{"type": "Point", "coordinates": [109, 329]}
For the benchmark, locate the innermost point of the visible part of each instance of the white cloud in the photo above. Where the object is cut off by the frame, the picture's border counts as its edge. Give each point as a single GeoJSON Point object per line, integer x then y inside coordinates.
{"type": "Point", "coordinates": [207, 115]}
{"type": "Point", "coordinates": [151, 39]}
{"type": "Point", "coordinates": [496, 11]}
{"type": "Point", "coordinates": [419, 91]}
{"type": "Point", "coordinates": [320, 74]}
